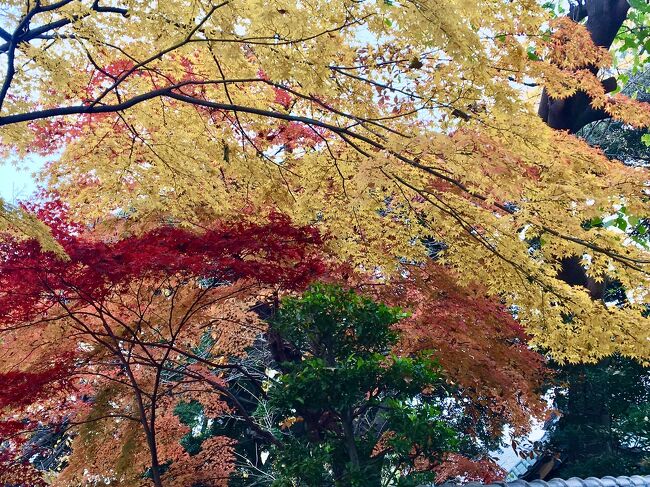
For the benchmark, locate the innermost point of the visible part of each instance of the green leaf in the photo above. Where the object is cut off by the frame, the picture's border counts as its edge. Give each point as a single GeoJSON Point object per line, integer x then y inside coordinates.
{"type": "Point", "coordinates": [532, 55]}
{"type": "Point", "coordinates": [620, 223]}
{"type": "Point", "coordinates": [595, 222]}
{"type": "Point", "coordinates": [646, 139]}
{"type": "Point", "coordinates": [640, 5]}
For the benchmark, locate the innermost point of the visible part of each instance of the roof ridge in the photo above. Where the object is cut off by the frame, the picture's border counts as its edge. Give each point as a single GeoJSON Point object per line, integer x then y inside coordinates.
{"type": "Point", "coordinates": [621, 481]}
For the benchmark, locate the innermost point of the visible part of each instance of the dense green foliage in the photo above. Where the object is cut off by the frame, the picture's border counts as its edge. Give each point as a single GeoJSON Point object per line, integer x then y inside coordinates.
{"type": "Point", "coordinates": [605, 424]}
{"type": "Point", "coordinates": [355, 414]}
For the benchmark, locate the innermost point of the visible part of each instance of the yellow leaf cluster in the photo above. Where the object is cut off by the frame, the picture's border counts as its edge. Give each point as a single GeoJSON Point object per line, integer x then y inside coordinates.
{"type": "Point", "coordinates": [384, 123]}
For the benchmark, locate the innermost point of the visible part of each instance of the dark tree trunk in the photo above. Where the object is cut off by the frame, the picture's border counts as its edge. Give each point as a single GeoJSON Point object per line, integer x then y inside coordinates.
{"type": "Point", "coordinates": [604, 19]}
{"type": "Point", "coordinates": [350, 444]}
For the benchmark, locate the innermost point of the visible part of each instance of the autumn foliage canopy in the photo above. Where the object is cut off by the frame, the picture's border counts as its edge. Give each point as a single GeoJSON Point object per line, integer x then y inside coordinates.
{"type": "Point", "coordinates": [115, 319]}
{"type": "Point", "coordinates": [204, 162]}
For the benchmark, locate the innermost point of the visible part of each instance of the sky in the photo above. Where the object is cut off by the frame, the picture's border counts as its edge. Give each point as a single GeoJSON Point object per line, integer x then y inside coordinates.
{"type": "Point", "coordinates": [18, 184]}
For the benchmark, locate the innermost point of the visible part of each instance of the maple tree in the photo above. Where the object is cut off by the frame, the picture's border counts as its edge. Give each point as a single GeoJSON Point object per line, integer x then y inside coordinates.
{"type": "Point", "coordinates": [47, 384]}
{"type": "Point", "coordinates": [118, 333]}
{"type": "Point", "coordinates": [385, 125]}
{"type": "Point", "coordinates": [236, 109]}
{"type": "Point", "coordinates": [482, 349]}
{"type": "Point", "coordinates": [617, 140]}
{"type": "Point", "coordinates": [602, 428]}
{"type": "Point", "coordinates": [141, 269]}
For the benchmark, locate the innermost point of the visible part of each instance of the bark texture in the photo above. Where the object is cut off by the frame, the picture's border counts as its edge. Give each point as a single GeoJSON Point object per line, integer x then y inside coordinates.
{"type": "Point", "coordinates": [603, 20]}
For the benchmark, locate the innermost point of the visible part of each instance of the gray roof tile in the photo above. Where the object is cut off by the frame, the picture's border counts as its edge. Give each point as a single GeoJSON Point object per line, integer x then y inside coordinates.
{"type": "Point", "coordinates": [633, 481]}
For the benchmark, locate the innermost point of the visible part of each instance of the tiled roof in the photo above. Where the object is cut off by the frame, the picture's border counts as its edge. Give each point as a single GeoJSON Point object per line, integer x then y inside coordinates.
{"type": "Point", "coordinates": [633, 481]}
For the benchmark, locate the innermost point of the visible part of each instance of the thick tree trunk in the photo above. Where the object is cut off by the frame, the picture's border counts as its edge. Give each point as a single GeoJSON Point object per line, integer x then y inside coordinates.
{"type": "Point", "coordinates": [155, 464]}
{"type": "Point", "coordinates": [350, 444]}
{"type": "Point", "coordinates": [604, 19]}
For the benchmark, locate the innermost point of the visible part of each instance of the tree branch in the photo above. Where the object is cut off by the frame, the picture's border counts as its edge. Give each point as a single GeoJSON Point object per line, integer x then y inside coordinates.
{"type": "Point", "coordinates": [604, 19]}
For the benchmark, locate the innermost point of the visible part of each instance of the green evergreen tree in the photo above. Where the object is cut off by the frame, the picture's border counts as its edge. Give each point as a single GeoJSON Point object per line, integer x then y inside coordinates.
{"type": "Point", "coordinates": [352, 413]}
{"type": "Point", "coordinates": [605, 424]}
